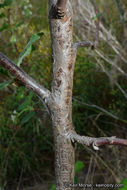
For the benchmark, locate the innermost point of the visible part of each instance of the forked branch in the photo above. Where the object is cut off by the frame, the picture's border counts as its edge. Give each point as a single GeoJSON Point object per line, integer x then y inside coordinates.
{"type": "Point", "coordinates": [30, 83]}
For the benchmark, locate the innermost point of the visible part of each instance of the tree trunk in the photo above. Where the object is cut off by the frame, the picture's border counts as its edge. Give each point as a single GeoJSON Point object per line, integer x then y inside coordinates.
{"type": "Point", "coordinates": [58, 101]}
{"type": "Point", "coordinates": [61, 109]}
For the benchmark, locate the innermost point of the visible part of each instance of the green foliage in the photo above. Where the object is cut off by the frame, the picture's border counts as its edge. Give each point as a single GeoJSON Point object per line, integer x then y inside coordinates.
{"type": "Point", "coordinates": [124, 182]}
{"type": "Point", "coordinates": [79, 165]}
{"type": "Point", "coordinates": [2, 15]}
{"type": "Point", "coordinates": [23, 138]}
{"type": "Point", "coordinates": [53, 187]}
{"type": "Point", "coordinates": [93, 95]}
{"type": "Point", "coordinates": [6, 3]}
{"type": "Point", "coordinates": [4, 27]}
{"type": "Point", "coordinates": [28, 49]}
{"type": "Point", "coordinates": [4, 84]}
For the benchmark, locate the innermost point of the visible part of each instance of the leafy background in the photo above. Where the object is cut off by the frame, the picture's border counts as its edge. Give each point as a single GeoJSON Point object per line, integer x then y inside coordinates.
{"type": "Point", "coordinates": [99, 107]}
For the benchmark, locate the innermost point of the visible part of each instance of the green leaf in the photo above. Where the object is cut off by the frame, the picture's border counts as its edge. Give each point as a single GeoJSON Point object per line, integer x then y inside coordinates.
{"type": "Point", "coordinates": [13, 39]}
{"type": "Point", "coordinates": [28, 49]}
{"type": "Point", "coordinates": [2, 15]}
{"type": "Point", "coordinates": [124, 183]}
{"type": "Point", "coordinates": [4, 84]}
{"type": "Point", "coordinates": [27, 117]}
{"type": "Point", "coordinates": [53, 187]}
{"type": "Point", "coordinates": [4, 27]}
{"type": "Point", "coordinates": [26, 103]}
{"type": "Point", "coordinates": [79, 165]}
{"type": "Point", "coordinates": [6, 3]}
{"type": "Point", "coordinates": [3, 71]}
{"type": "Point", "coordinates": [19, 24]}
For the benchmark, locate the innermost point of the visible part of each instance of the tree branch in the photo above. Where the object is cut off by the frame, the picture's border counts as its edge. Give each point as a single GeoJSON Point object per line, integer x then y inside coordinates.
{"type": "Point", "coordinates": [40, 91]}
{"type": "Point", "coordinates": [96, 142]}
{"type": "Point", "coordinates": [84, 44]}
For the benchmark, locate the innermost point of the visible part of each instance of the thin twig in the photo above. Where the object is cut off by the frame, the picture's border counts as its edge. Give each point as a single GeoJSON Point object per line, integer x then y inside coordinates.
{"type": "Point", "coordinates": [115, 82]}
{"type": "Point", "coordinates": [99, 108]}
{"type": "Point", "coordinates": [90, 44]}
{"type": "Point", "coordinates": [93, 169]}
{"type": "Point", "coordinates": [110, 62]}
{"type": "Point", "coordinates": [104, 163]}
{"type": "Point", "coordinates": [89, 169]}
{"type": "Point", "coordinates": [97, 22]}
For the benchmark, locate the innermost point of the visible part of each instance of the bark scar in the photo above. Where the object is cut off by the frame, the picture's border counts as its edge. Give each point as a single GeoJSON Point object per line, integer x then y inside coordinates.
{"type": "Point", "coordinates": [58, 11]}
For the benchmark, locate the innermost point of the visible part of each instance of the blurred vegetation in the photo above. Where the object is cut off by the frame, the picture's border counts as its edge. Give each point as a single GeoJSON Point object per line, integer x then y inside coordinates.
{"type": "Point", "coordinates": [26, 140]}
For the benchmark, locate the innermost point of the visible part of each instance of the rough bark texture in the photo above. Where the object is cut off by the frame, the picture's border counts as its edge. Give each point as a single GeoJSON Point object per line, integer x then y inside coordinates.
{"type": "Point", "coordinates": [61, 109]}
